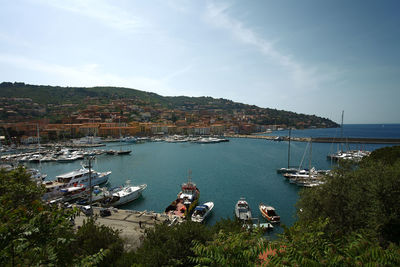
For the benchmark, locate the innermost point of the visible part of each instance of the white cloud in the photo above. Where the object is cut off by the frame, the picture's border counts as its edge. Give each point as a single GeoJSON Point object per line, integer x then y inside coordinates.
{"type": "Point", "coordinates": [302, 77]}
{"type": "Point", "coordinates": [14, 40]}
{"type": "Point", "coordinates": [103, 11]}
{"type": "Point", "coordinates": [86, 75]}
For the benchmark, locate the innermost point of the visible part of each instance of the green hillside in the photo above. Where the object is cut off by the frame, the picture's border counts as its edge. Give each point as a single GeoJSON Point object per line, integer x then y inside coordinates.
{"type": "Point", "coordinates": [56, 95]}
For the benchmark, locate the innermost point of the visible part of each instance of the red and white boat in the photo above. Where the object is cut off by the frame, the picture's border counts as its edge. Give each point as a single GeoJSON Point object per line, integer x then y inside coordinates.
{"type": "Point", "coordinates": [269, 213]}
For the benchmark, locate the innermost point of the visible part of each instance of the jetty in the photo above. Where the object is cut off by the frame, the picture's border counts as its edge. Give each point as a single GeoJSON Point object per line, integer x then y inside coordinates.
{"type": "Point", "coordinates": [320, 139]}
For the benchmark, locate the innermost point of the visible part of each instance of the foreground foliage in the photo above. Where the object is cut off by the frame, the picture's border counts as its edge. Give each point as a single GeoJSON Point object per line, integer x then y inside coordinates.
{"type": "Point", "coordinates": [33, 233]}
{"type": "Point", "coordinates": [229, 249]}
{"type": "Point", "coordinates": [363, 198]}
{"type": "Point", "coordinates": [314, 245]}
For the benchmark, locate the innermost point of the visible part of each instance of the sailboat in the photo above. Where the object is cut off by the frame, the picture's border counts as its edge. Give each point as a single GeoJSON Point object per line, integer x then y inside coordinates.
{"type": "Point", "coordinates": [288, 169]}
{"type": "Point", "coordinates": [307, 177]}
{"type": "Point", "coordinates": [120, 152]}
{"type": "Point", "coordinates": [355, 155]}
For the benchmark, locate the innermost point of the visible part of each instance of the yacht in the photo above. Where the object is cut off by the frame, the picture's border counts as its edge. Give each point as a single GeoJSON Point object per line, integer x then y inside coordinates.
{"type": "Point", "coordinates": [126, 194]}
{"type": "Point", "coordinates": [80, 176]}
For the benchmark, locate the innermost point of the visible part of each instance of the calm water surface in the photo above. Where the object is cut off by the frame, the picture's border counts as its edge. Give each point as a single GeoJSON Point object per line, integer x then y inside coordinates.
{"type": "Point", "coordinates": [223, 172]}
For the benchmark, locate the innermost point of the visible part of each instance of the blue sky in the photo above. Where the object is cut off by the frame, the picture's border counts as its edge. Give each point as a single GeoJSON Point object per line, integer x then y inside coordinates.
{"type": "Point", "coordinates": [313, 57]}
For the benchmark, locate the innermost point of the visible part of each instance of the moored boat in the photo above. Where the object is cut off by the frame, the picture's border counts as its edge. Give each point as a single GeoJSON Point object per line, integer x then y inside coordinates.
{"type": "Point", "coordinates": [269, 213]}
{"type": "Point", "coordinates": [80, 176]}
{"type": "Point", "coordinates": [242, 210]}
{"type": "Point", "coordinates": [202, 211]}
{"type": "Point", "coordinates": [126, 194]}
{"type": "Point", "coordinates": [73, 192]}
{"type": "Point", "coordinates": [186, 200]}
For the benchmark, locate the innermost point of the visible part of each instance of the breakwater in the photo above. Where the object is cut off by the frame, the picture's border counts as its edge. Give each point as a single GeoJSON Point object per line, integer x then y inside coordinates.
{"type": "Point", "coordinates": [321, 139]}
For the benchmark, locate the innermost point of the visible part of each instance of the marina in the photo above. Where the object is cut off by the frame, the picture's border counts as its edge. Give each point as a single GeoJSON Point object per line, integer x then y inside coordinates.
{"type": "Point", "coordinates": [224, 172]}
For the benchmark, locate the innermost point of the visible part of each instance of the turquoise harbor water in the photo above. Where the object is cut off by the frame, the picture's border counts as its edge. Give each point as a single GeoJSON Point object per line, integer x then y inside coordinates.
{"type": "Point", "coordinates": [223, 172]}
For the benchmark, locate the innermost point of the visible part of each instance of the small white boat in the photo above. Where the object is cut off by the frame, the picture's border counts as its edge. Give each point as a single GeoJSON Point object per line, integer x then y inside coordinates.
{"type": "Point", "coordinates": [126, 194]}
{"type": "Point", "coordinates": [202, 211]}
{"type": "Point", "coordinates": [242, 210]}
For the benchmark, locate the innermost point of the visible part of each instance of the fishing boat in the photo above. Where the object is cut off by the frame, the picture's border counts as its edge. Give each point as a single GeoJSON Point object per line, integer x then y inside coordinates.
{"type": "Point", "coordinates": [202, 211]}
{"type": "Point", "coordinates": [242, 210]}
{"type": "Point", "coordinates": [269, 213]}
{"type": "Point", "coordinates": [186, 200]}
{"type": "Point", "coordinates": [126, 194]}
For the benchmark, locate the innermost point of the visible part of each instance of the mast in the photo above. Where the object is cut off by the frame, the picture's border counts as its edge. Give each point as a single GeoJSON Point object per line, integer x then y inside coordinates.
{"type": "Point", "coordinates": [38, 136]}
{"type": "Point", "coordinates": [119, 126]}
{"type": "Point", "coordinates": [341, 132]}
{"type": "Point", "coordinates": [190, 176]}
{"type": "Point", "coordinates": [90, 158]}
{"type": "Point", "coordinates": [288, 160]}
{"type": "Point", "coordinates": [309, 169]}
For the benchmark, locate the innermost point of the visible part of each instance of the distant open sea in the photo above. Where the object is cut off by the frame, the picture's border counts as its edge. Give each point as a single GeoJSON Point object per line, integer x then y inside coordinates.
{"type": "Point", "coordinates": [224, 172]}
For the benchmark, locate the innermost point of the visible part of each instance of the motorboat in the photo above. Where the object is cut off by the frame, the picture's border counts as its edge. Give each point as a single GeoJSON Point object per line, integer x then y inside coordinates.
{"type": "Point", "coordinates": [129, 139]}
{"type": "Point", "coordinates": [118, 152]}
{"type": "Point", "coordinates": [80, 176]}
{"type": "Point", "coordinates": [202, 211]}
{"type": "Point", "coordinates": [73, 192]}
{"type": "Point", "coordinates": [210, 140]}
{"type": "Point", "coordinates": [186, 200]}
{"type": "Point", "coordinates": [87, 140]}
{"type": "Point", "coordinates": [36, 175]}
{"type": "Point", "coordinates": [269, 213]}
{"type": "Point", "coordinates": [126, 194]}
{"type": "Point", "coordinates": [242, 210]}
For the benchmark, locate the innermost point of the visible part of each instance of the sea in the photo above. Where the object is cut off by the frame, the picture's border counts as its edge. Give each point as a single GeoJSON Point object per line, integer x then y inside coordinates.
{"type": "Point", "coordinates": [224, 172]}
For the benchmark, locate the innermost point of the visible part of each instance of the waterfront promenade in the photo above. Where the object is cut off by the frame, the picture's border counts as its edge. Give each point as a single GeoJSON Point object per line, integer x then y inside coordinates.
{"type": "Point", "coordinates": [321, 139]}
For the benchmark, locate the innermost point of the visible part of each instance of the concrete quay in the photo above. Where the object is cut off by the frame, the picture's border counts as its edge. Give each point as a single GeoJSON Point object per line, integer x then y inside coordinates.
{"type": "Point", "coordinates": [320, 139]}
{"type": "Point", "coordinates": [132, 224]}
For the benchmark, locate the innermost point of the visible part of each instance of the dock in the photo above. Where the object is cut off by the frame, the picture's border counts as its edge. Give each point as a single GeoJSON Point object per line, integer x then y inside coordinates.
{"type": "Point", "coordinates": [320, 139]}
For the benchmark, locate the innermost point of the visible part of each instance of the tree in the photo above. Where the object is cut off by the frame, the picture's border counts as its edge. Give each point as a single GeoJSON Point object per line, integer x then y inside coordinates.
{"type": "Point", "coordinates": [363, 198]}
{"type": "Point", "coordinates": [31, 233]}
{"type": "Point", "coordinates": [240, 248]}
{"type": "Point", "coordinates": [92, 238]}
{"type": "Point", "coordinates": [314, 245]}
{"type": "Point", "coordinates": [165, 245]}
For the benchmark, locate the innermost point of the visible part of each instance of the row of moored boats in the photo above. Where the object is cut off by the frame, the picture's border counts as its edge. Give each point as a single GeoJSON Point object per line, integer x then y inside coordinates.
{"type": "Point", "coordinates": [186, 206]}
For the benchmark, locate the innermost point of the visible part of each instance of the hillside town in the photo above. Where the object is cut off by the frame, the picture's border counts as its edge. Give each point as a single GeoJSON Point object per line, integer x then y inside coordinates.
{"type": "Point", "coordinates": [23, 118]}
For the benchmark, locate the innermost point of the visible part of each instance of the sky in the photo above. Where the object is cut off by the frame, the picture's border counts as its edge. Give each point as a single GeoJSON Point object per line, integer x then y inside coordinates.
{"type": "Point", "coordinates": [310, 56]}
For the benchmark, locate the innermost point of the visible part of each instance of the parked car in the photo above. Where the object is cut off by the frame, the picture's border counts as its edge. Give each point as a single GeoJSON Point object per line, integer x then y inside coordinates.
{"type": "Point", "coordinates": [87, 210]}
{"type": "Point", "coordinates": [105, 212]}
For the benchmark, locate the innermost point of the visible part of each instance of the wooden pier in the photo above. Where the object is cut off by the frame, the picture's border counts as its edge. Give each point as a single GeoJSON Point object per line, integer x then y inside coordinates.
{"type": "Point", "coordinates": [321, 139]}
